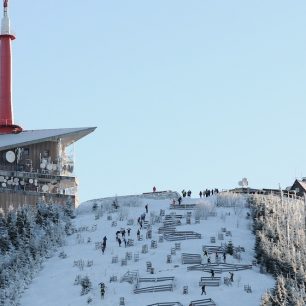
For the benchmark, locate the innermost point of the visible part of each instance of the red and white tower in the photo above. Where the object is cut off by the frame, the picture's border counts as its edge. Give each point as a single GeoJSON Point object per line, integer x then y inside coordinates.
{"type": "Point", "coordinates": [7, 125]}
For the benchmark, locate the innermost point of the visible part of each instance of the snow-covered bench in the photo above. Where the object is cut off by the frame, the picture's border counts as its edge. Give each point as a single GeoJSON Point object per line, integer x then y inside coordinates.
{"type": "Point", "coordinates": [166, 304]}
{"type": "Point", "coordinates": [204, 302]}
{"type": "Point", "coordinates": [191, 258]}
{"type": "Point", "coordinates": [155, 279]}
{"type": "Point", "coordinates": [209, 281]}
{"type": "Point", "coordinates": [159, 288]}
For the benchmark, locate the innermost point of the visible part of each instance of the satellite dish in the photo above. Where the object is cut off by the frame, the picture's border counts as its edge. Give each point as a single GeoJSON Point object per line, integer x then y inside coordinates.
{"type": "Point", "coordinates": [42, 165]}
{"type": "Point", "coordinates": [9, 182]}
{"type": "Point", "coordinates": [45, 188]}
{"type": "Point", "coordinates": [22, 183]}
{"type": "Point", "coordinates": [49, 167]}
{"type": "Point", "coordinates": [1, 178]}
{"type": "Point", "coordinates": [54, 167]}
{"type": "Point", "coordinates": [245, 182]}
{"type": "Point", "coordinates": [31, 181]}
{"type": "Point", "coordinates": [16, 179]}
{"type": "Point", "coordinates": [10, 156]}
{"type": "Point", "coordinates": [3, 184]}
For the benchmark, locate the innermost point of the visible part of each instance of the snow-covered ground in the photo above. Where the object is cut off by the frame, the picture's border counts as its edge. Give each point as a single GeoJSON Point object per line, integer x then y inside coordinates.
{"type": "Point", "coordinates": [54, 285]}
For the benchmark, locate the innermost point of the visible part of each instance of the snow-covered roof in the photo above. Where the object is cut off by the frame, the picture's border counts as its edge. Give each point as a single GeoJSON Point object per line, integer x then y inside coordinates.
{"type": "Point", "coordinates": [68, 135]}
{"type": "Point", "coordinates": [303, 184]}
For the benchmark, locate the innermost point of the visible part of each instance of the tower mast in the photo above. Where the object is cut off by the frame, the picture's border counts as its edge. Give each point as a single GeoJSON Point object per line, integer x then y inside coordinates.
{"type": "Point", "coordinates": [7, 125]}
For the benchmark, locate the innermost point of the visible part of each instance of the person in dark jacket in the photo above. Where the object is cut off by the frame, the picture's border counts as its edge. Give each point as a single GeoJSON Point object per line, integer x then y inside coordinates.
{"type": "Point", "coordinates": [212, 272]}
{"type": "Point", "coordinates": [146, 207]}
{"type": "Point", "coordinates": [119, 241]}
{"type": "Point", "coordinates": [102, 289]}
{"type": "Point", "coordinates": [203, 290]}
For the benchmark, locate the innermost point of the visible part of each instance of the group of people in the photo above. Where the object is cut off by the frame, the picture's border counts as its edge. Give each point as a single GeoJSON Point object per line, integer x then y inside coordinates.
{"type": "Point", "coordinates": [205, 253]}
{"type": "Point", "coordinates": [186, 193]}
{"type": "Point", "coordinates": [121, 238]}
{"type": "Point", "coordinates": [207, 192]}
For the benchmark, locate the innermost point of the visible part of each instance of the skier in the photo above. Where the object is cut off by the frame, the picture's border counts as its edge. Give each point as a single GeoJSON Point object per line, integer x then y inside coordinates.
{"type": "Point", "coordinates": [154, 189]}
{"type": "Point", "coordinates": [103, 248]}
{"type": "Point", "coordinates": [104, 239]}
{"type": "Point", "coordinates": [205, 253]}
{"type": "Point", "coordinates": [125, 242]}
{"type": "Point", "coordinates": [212, 273]}
{"type": "Point", "coordinates": [138, 234]}
{"type": "Point", "coordinates": [179, 200]}
{"type": "Point", "coordinates": [146, 207]}
{"type": "Point", "coordinates": [128, 231]}
{"type": "Point", "coordinates": [231, 276]}
{"type": "Point", "coordinates": [119, 241]}
{"type": "Point", "coordinates": [173, 202]}
{"type": "Point", "coordinates": [203, 290]}
{"type": "Point", "coordinates": [208, 260]}
{"type": "Point", "coordinates": [224, 257]}
{"type": "Point", "coordinates": [200, 194]}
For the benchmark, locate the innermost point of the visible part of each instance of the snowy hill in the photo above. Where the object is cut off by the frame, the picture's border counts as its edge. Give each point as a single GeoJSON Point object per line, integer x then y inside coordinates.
{"type": "Point", "coordinates": [82, 255]}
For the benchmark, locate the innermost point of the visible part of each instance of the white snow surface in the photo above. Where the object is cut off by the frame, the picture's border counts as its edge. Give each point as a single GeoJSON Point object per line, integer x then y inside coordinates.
{"type": "Point", "coordinates": [54, 284]}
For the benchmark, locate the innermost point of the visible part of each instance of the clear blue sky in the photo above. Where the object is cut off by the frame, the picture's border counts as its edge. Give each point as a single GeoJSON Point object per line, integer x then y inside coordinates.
{"type": "Point", "coordinates": [184, 94]}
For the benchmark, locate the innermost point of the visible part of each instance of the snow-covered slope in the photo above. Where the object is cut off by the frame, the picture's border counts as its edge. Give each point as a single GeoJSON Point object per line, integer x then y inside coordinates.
{"type": "Point", "coordinates": [55, 283]}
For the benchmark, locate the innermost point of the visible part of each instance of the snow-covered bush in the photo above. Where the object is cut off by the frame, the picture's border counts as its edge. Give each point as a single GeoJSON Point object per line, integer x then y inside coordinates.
{"type": "Point", "coordinates": [86, 285]}
{"type": "Point", "coordinates": [204, 209]}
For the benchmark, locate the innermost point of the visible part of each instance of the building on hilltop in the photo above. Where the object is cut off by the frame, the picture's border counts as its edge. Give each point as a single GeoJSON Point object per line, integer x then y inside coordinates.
{"type": "Point", "coordinates": [35, 166]}
{"type": "Point", "coordinates": [299, 187]}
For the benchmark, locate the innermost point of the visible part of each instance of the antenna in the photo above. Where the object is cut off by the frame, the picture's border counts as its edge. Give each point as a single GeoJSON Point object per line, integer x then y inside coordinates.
{"type": "Point", "coordinates": [7, 125]}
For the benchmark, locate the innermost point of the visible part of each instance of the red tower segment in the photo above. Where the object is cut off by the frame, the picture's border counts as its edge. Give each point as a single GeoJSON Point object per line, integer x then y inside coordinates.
{"type": "Point", "coordinates": [6, 106]}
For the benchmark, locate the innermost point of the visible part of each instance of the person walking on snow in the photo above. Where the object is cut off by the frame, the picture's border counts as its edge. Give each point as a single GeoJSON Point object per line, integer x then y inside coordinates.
{"type": "Point", "coordinates": [203, 290]}
{"type": "Point", "coordinates": [200, 194]}
{"type": "Point", "coordinates": [128, 231]}
{"type": "Point", "coordinates": [231, 276]}
{"type": "Point", "coordinates": [119, 241]}
{"type": "Point", "coordinates": [146, 207]}
{"type": "Point", "coordinates": [102, 289]}
{"type": "Point", "coordinates": [138, 234]}
{"type": "Point", "coordinates": [104, 240]}
{"type": "Point", "coordinates": [212, 272]}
